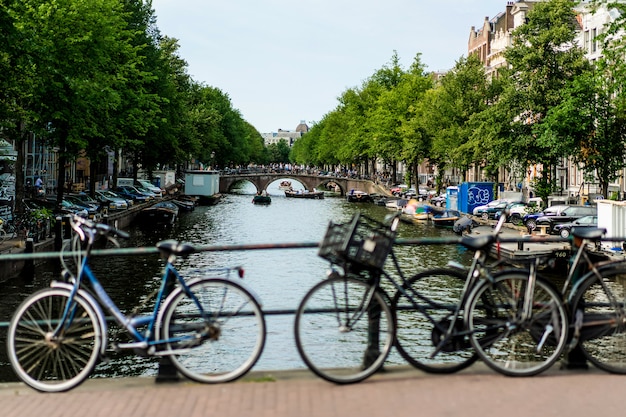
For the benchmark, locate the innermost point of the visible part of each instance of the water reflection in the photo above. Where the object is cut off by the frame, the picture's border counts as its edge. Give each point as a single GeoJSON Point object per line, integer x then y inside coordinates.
{"type": "Point", "coordinates": [279, 277]}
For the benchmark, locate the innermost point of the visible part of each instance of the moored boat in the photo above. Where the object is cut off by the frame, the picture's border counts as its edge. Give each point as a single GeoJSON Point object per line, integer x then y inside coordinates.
{"type": "Point", "coordinates": [162, 213]}
{"type": "Point", "coordinates": [184, 205]}
{"type": "Point", "coordinates": [355, 196]}
{"type": "Point", "coordinates": [446, 218]}
{"type": "Point", "coordinates": [396, 203]}
{"type": "Point", "coordinates": [316, 195]}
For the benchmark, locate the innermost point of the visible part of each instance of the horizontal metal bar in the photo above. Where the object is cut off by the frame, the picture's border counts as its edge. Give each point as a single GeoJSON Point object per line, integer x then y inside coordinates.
{"type": "Point", "coordinates": [293, 245]}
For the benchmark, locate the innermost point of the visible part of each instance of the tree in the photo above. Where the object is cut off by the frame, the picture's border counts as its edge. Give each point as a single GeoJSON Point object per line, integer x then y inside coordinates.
{"type": "Point", "coordinates": [447, 115]}
{"type": "Point", "coordinates": [543, 60]}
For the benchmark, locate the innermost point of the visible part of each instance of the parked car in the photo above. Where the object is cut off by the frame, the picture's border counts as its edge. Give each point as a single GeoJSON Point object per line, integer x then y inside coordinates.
{"type": "Point", "coordinates": [113, 201]}
{"type": "Point", "coordinates": [517, 210]}
{"type": "Point", "coordinates": [494, 211]}
{"type": "Point", "coordinates": [530, 219]}
{"type": "Point", "coordinates": [150, 187]}
{"type": "Point", "coordinates": [86, 199]}
{"type": "Point", "coordinates": [65, 208]}
{"type": "Point", "coordinates": [479, 210]}
{"type": "Point", "coordinates": [93, 211]}
{"type": "Point", "coordinates": [439, 201]}
{"type": "Point", "coordinates": [132, 193]}
{"type": "Point", "coordinates": [565, 229]}
{"type": "Point", "coordinates": [569, 214]}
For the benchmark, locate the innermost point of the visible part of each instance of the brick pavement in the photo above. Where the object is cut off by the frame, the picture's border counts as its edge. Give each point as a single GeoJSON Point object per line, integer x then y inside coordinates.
{"type": "Point", "coordinates": [398, 392]}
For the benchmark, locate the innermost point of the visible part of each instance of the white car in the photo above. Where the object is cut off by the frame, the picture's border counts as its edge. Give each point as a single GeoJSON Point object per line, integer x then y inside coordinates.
{"type": "Point", "coordinates": [150, 187]}
{"type": "Point", "coordinates": [479, 209]}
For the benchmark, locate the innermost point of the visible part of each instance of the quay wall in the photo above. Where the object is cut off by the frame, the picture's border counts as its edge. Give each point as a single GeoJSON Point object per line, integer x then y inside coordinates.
{"type": "Point", "coordinates": [13, 269]}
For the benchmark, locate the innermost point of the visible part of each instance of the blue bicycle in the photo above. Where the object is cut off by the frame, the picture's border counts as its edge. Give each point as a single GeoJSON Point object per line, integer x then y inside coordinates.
{"type": "Point", "coordinates": [212, 328]}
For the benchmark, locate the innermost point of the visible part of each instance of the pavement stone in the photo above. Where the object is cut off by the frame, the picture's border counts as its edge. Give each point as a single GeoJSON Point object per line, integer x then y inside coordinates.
{"type": "Point", "coordinates": [398, 392]}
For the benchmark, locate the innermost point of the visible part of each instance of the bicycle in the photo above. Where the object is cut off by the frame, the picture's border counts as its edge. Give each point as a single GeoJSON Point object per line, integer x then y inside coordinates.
{"type": "Point", "coordinates": [596, 299]}
{"type": "Point", "coordinates": [211, 328]}
{"type": "Point", "coordinates": [425, 320]}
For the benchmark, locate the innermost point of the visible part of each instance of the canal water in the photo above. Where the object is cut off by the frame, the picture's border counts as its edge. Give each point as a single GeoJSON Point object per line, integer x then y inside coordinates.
{"type": "Point", "coordinates": [280, 277]}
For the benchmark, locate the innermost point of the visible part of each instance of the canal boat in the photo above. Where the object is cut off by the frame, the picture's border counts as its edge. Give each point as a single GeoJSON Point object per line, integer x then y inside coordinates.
{"type": "Point", "coordinates": [446, 218]}
{"type": "Point", "coordinates": [285, 185]}
{"type": "Point", "coordinates": [161, 213]}
{"type": "Point", "coordinates": [355, 196]}
{"type": "Point", "coordinates": [262, 199]}
{"type": "Point", "coordinates": [315, 195]}
{"type": "Point", "coordinates": [184, 204]}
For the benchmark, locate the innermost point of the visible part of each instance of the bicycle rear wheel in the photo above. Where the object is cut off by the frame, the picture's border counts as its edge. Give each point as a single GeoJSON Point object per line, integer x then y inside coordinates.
{"type": "Point", "coordinates": [218, 340]}
{"type": "Point", "coordinates": [503, 338]}
{"type": "Point", "coordinates": [343, 330]}
{"type": "Point", "coordinates": [424, 312]}
{"type": "Point", "coordinates": [603, 332]}
{"type": "Point", "coordinates": [49, 362]}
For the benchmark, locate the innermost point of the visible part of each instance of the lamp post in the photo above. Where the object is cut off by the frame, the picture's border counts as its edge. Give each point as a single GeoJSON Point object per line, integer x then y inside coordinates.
{"type": "Point", "coordinates": [212, 160]}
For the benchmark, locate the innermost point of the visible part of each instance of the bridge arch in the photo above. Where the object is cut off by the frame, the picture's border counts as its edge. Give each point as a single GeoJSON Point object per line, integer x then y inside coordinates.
{"type": "Point", "coordinates": [262, 180]}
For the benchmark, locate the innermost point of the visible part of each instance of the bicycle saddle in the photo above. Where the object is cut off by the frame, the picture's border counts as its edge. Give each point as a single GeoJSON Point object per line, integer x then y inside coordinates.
{"type": "Point", "coordinates": [175, 247]}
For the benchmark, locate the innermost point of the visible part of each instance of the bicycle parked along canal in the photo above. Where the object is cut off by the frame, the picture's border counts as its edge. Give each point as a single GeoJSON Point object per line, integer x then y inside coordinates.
{"type": "Point", "coordinates": [595, 292]}
{"type": "Point", "coordinates": [211, 327]}
{"type": "Point", "coordinates": [346, 325]}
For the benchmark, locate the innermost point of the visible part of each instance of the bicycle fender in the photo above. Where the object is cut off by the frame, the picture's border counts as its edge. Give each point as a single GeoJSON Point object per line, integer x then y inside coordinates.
{"type": "Point", "coordinates": [96, 306]}
{"type": "Point", "coordinates": [239, 282]}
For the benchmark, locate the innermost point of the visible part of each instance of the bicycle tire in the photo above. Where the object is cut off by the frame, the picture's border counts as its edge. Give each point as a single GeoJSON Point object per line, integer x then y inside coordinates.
{"type": "Point", "coordinates": [603, 344]}
{"type": "Point", "coordinates": [505, 341]}
{"type": "Point", "coordinates": [333, 334]}
{"type": "Point", "coordinates": [418, 336]}
{"type": "Point", "coordinates": [222, 349]}
{"type": "Point", "coordinates": [46, 364]}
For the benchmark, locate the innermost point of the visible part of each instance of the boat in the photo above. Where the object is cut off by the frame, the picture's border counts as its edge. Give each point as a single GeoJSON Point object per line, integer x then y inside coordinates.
{"type": "Point", "coordinates": [396, 203]}
{"type": "Point", "coordinates": [161, 213]}
{"type": "Point", "coordinates": [355, 196]}
{"type": "Point", "coordinates": [184, 204]}
{"type": "Point", "coordinates": [262, 199]}
{"type": "Point", "coordinates": [316, 195]}
{"type": "Point", "coordinates": [285, 185]}
{"type": "Point", "coordinates": [446, 218]}
{"type": "Point", "coordinates": [422, 213]}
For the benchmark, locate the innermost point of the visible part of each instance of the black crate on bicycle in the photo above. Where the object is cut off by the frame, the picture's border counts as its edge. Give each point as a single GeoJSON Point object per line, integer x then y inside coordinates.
{"type": "Point", "coordinates": [362, 241]}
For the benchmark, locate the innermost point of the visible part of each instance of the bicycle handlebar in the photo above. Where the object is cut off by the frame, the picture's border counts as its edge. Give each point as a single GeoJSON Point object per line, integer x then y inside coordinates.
{"type": "Point", "coordinates": [81, 225]}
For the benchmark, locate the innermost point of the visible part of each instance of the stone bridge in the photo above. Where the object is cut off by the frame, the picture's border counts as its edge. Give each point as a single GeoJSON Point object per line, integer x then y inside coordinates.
{"type": "Point", "coordinates": [262, 181]}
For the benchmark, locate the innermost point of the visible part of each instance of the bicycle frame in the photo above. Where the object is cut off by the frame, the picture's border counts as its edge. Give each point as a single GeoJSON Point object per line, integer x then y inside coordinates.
{"type": "Point", "coordinates": [474, 273]}
{"type": "Point", "coordinates": [595, 272]}
{"type": "Point", "coordinates": [143, 340]}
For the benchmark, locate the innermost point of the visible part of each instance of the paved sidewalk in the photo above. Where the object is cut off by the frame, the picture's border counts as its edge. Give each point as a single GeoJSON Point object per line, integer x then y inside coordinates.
{"type": "Point", "coordinates": [399, 392]}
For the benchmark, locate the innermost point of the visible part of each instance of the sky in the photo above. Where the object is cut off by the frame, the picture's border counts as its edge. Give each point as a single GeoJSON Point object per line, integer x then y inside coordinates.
{"type": "Point", "coordinates": [286, 61]}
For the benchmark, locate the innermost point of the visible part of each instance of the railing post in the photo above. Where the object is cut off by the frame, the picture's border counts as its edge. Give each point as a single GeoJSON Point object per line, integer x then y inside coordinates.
{"type": "Point", "coordinates": [373, 337]}
{"type": "Point", "coordinates": [29, 265]}
{"type": "Point", "coordinates": [167, 371]}
{"type": "Point", "coordinates": [575, 359]}
{"type": "Point", "coordinates": [58, 233]}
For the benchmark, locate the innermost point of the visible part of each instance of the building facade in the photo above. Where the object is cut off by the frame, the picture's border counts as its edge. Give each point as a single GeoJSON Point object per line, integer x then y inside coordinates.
{"type": "Point", "coordinates": [490, 41]}
{"type": "Point", "coordinates": [290, 136]}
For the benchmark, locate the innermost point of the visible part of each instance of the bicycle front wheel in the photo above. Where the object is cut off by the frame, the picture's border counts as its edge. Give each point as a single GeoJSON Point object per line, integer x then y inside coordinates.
{"type": "Point", "coordinates": [216, 332]}
{"type": "Point", "coordinates": [344, 330]}
{"type": "Point", "coordinates": [512, 339]}
{"type": "Point", "coordinates": [425, 310]}
{"type": "Point", "coordinates": [603, 331]}
{"type": "Point", "coordinates": [48, 355]}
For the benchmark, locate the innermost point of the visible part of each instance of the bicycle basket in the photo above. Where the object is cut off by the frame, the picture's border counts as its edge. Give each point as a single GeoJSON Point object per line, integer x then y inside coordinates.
{"type": "Point", "coordinates": [362, 241]}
